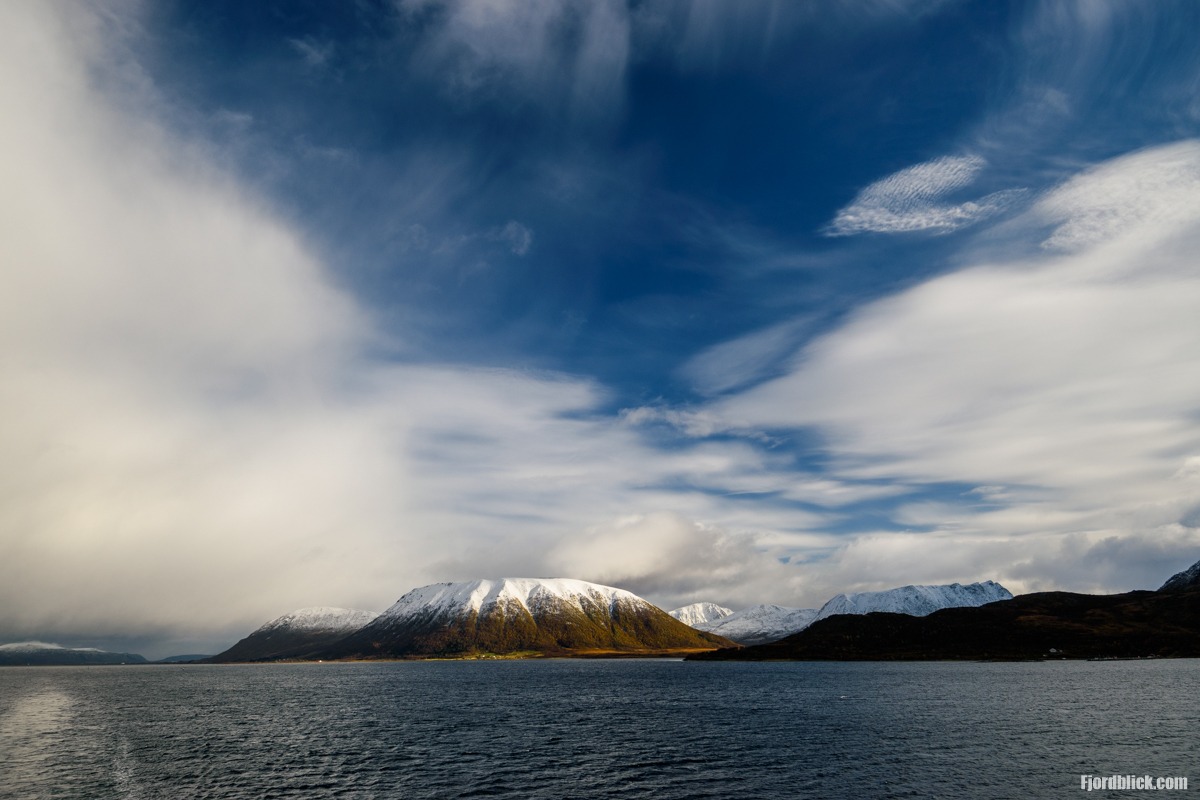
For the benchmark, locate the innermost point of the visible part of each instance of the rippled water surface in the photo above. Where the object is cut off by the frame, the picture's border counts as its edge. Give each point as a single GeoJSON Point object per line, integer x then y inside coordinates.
{"type": "Point", "coordinates": [628, 729]}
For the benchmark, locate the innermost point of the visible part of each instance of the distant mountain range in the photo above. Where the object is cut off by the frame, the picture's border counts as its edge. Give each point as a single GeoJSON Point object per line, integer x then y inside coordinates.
{"type": "Point", "coordinates": [768, 623]}
{"type": "Point", "coordinates": [43, 654]}
{"type": "Point", "coordinates": [1052, 625]}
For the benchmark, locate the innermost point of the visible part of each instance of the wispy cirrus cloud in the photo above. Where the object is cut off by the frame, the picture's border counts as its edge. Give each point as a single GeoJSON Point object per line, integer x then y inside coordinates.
{"type": "Point", "coordinates": [914, 199]}
{"type": "Point", "coordinates": [737, 362]}
{"type": "Point", "coordinates": [571, 56]}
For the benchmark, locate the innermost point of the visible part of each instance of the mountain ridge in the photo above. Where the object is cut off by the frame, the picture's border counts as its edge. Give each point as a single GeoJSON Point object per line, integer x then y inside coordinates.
{"type": "Point", "coordinates": [767, 623]}
{"type": "Point", "coordinates": [33, 653]}
{"type": "Point", "coordinates": [509, 616]}
{"type": "Point", "coordinates": [699, 613]}
{"type": "Point", "coordinates": [295, 635]}
{"type": "Point", "coordinates": [1028, 627]}
{"type": "Point", "coordinates": [1186, 579]}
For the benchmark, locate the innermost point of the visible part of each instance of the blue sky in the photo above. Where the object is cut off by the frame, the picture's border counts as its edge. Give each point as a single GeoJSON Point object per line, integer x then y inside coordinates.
{"type": "Point", "coordinates": [311, 303]}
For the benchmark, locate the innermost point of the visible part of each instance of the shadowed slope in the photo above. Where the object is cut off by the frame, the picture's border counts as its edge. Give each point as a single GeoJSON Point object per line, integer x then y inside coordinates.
{"type": "Point", "coordinates": [42, 654]}
{"type": "Point", "coordinates": [1047, 624]}
{"type": "Point", "coordinates": [297, 635]}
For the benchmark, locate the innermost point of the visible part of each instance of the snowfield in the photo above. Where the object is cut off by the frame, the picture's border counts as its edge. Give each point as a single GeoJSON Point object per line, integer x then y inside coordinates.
{"type": "Point", "coordinates": [698, 613]}
{"type": "Point", "coordinates": [321, 618]}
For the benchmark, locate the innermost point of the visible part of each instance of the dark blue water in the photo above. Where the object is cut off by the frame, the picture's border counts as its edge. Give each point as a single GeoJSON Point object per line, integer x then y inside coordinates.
{"type": "Point", "coordinates": [593, 729]}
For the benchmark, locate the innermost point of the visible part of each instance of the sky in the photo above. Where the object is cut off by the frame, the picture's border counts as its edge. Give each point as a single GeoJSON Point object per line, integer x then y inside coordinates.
{"type": "Point", "coordinates": [309, 303]}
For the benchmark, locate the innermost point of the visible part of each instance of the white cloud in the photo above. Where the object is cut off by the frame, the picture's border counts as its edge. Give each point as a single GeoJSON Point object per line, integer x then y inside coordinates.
{"type": "Point", "coordinates": [1073, 377]}
{"type": "Point", "coordinates": [740, 361]}
{"type": "Point", "coordinates": [177, 432]}
{"type": "Point", "coordinates": [912, 200]}
{"type": "Point", "coordinates": [678, 561]}
{"type": "Point", "coordinates": [696, 423]}
{"type": "Point", "coordinates": [1151, 192]}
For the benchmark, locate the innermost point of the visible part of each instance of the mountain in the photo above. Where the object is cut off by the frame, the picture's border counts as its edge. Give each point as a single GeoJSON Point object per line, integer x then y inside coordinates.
{"type": "Point", "coordinates": [759, 624]}
{"type": "Point", "coordinates": [916, 601]}
{"type": "Point", "coordinates": [46, 654]}
{"type": "Point", "coordinates": [1188, 579]}
{"type": "Point", "coordinates": [1032, 626]}
{"type": "Point", "coordinates": [762, 624]}
{"type": "Point", "coordinates": [521, 616]}
{"type": "Point", "coordinates": [698, 613]}
{"type": "Point", "coordinates": [296, 635]}
{"type": "Point", "coordinates": [185, 659]}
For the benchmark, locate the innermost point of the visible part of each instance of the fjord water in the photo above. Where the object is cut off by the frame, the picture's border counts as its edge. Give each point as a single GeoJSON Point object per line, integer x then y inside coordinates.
{"type": "Point", "coordinates": [619, 729]}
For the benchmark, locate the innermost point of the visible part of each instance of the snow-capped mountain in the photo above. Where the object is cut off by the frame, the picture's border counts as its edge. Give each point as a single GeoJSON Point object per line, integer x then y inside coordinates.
{"type": "Point", "coordinates": [47, 654]}
{"type": "Point", "coordinates": [298, 634]}
{"type": "Point", "coordinates": [519, 615]}
{"type": "Point", "coordinates": [698, 613]}
{"type": "Point", "coordinates": [321, 618]}
{"type": "Point", "coordinates": [759, 624]}
{"type": "Point", "coordinates": [916, 601]}
{"type": "Point", "coordinates": [1188, 579]}
{"type": "Point", "coordinates": [767, 623]}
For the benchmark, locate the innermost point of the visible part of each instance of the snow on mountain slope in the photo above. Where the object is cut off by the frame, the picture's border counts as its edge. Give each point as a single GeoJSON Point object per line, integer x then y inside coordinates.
{"type": "Point", "coordinates": [698, 613]}
{"type": "Point", "coordinates": [321, 618]}
{"type": "Point", "coordinates": [29, 647]}
{"type": "Point", "coordinates": [530, 593]}
{"type": "Point", "coordinates": [298, 634]}
{"type": "Point", "coordinates": [1180, 581]}
{"type": "Point", "coordinates": [917, 601]}
{"type": "Point", "coordinates": [519, 615]}
{"type": "Point", "coordinates": [760, 624]}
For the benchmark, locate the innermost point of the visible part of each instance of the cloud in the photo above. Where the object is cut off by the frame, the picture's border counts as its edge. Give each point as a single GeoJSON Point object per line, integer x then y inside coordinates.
{"type": "Point", "coordinates": [713, 36]}
{"type": "Point", "coordinates": [516, 236]}
{"type": "Point", "coordinates": [574, 57]}
{"type": "Point", "coordinates": [1146, 193]}
{"type": "Point", "coordinates": [180, 426]}
{"type": "Point", "coordinates": [737, 362]}
{"type": "Point", "coordinates": [571, 56]}
{"type": "Point", "coordinates": [314, 53]}
{"type": "Point", "coordinates": [911, 200]}
{"type": "Point", "coordinates": [689, 422]}
{"type": "Point", "coordinates": [677, 561]}
{"type": "Point", "coordinates": [1069, 378]}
